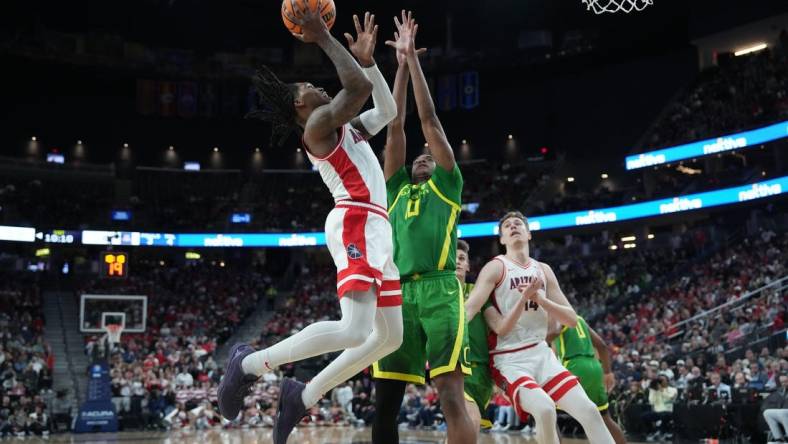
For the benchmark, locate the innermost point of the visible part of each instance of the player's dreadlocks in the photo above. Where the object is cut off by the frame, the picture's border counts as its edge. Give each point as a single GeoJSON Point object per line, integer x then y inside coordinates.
{"type": "Point", "coordinates": [276, 100]}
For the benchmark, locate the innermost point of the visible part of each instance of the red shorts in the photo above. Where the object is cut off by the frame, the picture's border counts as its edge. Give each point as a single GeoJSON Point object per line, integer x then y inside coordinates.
{"type": "Point", "coordinates": [359, 238]}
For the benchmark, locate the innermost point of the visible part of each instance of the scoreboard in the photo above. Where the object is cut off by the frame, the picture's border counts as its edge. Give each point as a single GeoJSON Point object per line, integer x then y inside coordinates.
{"type": "Point", "coordinates": [114, 264]}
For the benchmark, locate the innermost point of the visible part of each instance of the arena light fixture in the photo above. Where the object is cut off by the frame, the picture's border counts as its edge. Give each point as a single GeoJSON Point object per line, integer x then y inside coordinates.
{"type": "Point", "coordinates": [750, 49]}
{"type": "Point", "coordinates": [216, 149]}
{"type": "Point", "coordinates": [650, 236]}
{"type": "Point", "coordinates": [79, 142]}
{"type": "Point", "coordinates": [257, 150]}
{"type": "Point", "coordinates": [221, 264]}
{"type": "Point", "coordinates": [629, 246]}
{"type": "Point", "coordinates": [464, 142]}
{"type": "Point", "coordinates": [511, 137]}
{"type": "Point", "coordinates": [171, 148]}
{"type": "Point", "coordinates": [604, 176]}
{"type": "Point", "coordinates": [570, 179]}
{"type": "Point", "coordinates": [628, 238]}
{"type": "Point", "coordinates": [125, 145]}
{"type": "Point", "coordinates": [614, 247]}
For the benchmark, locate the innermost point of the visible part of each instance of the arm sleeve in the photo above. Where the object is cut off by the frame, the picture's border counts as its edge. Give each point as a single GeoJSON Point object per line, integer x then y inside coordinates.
{"type": "Point", "coordinates": [385, 109]}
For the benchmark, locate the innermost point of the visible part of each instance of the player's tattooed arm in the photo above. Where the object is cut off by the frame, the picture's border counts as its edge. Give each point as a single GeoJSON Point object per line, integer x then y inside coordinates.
{"type": "Point", "coordinates": [489, 276]}
{"type": "Point", "coordinates": [356, 88]}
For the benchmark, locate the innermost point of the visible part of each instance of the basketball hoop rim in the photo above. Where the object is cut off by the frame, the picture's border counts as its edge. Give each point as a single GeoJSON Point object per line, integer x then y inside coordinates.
{"type": "Point", "coordinates": [113, 331]}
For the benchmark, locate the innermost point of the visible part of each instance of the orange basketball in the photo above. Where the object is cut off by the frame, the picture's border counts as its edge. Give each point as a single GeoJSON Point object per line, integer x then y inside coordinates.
{"type": "Point", "coordinates": [327, 10]}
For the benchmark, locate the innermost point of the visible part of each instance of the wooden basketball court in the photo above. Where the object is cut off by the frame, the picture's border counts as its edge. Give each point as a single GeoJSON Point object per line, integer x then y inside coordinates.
{"type": "Point", "coordinates": [322, 435]}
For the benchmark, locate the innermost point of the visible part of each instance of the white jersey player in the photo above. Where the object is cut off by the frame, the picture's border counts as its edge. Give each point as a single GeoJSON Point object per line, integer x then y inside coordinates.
{"type": "Point", "coordinates": [358, 233]}
{"type": "Point", "coordinates": [520, 295]}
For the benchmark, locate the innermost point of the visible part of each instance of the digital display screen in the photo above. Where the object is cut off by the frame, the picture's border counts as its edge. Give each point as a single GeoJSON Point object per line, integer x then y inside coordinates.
{"type": "Point", "coordinates": [58, 236]}
{"type": "Point", "coordinates": [241, 218]}
{"type": "Point", "coordinates": [678, 204]}
{"type": "Point", "coordinates": [121, 215]}
{"type": "Point", "coordinates": [732, 142]}
{"type": "Point", "coordinates": [55, 158]}
{"type": "Point", "coordinates": [114, 264]}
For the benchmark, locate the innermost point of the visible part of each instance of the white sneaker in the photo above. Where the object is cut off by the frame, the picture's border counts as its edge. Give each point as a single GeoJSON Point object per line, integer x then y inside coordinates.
{"type": "Point", "coordinates": [526, 430]}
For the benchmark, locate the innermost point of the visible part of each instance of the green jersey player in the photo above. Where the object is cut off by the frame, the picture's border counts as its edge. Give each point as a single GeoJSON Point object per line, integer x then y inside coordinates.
{"type": "Point", "coordinates": [424, 207]}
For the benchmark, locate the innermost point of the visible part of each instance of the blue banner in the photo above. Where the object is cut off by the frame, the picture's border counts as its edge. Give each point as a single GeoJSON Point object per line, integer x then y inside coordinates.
{"type": "Point", "coordinates": [677, 204]}
{"type": "Point", "coordinates": [469, 94]}
{"type": "Point", "coordinates": [738, 141]}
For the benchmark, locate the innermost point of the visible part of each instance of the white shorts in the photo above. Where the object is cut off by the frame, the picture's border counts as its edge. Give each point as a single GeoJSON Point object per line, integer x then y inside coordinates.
{"type": "Point", "coordinates": [359, 238]}
{"type": "Point", "coordinates": [533, 367]}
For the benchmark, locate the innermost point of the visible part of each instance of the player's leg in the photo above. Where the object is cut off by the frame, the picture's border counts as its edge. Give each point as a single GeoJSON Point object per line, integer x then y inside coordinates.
{"type": "Point", "coordinates": [245, 365]}
{"type": "Point", "coordinates": [386, 336]}
{"type": "Point", "coordinates": [388, 401]}
{"type": "Point", "coordinates": [613, 428]}
{"type": "Point", "coordinates": [451, 388]}
{"type": "Point", "coordinates": [478, 391]}
{"type": "Point", "coordinates": [536, 402]}
{"type": "Point", "coordinates": [358, 312]}
{"type": "Point", "coordinates": [393, 372]}
{"type": "Point", "coordinates": [442, 315]}
{"type": "Point", "coordinates": [473, 414]}
{"type": "Point", "coordinates": [589, 371]}
{"type": "Point", "coordinates": [575, 402]}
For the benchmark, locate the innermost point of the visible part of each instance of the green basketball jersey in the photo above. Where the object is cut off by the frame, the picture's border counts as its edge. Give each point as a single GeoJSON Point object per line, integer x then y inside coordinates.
{"type": "Point", "coordinates": [424, 220]}
{"type": "Point", "coordinates": [477, 334]}
{"type": "Point", "coordinates": [574, 342]}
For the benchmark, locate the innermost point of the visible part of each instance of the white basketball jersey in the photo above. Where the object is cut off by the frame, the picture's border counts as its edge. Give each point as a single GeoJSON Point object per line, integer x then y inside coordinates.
{"type": "Point", "coordinates": [531, 327]}
{"type": "Point", "coordinates": [352, 171]}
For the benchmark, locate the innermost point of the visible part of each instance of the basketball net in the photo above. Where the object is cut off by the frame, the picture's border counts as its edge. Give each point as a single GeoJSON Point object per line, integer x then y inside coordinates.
{"type": "Point", "coordinates": [113, 333]}
{"type": "Point", "coordinates": [603, 6]}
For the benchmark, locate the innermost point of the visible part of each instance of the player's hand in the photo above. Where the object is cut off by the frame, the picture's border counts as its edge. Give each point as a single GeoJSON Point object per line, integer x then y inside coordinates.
{"type": "Point", "coordinates": [405, 37]}
{"type": "Point", "coordinates": [363, 47]}
{"type": "Point", "coordinates": [313, 28]}
{"type": "Point", "coordinates": [530, 291]}
{"type": "Point", "coordinates": [610, 381]}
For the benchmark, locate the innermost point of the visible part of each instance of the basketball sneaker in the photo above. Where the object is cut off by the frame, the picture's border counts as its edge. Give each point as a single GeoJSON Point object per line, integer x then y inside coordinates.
{"type": "Point", "coordinates": [290, 411]}
{"type": "Point", "coordinates": [235, 384]}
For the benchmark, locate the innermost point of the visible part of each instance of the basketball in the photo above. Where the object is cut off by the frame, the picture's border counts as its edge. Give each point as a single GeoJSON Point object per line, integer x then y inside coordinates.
{"type": "Point", "coordinates": [327, 11]}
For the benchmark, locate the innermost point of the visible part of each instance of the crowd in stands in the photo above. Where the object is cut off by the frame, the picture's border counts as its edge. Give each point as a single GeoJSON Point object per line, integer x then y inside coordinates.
{"type": "Point", "coordinates": [25, 360]}
{"type": "Point", "coordinates": [740, 93]}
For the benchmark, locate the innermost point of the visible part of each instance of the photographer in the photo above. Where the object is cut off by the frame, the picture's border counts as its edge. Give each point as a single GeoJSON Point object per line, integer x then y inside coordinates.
{"type": "Point", "coordinates": [661, 397]}
{"type": "Point", "coordinates": [776, 411]}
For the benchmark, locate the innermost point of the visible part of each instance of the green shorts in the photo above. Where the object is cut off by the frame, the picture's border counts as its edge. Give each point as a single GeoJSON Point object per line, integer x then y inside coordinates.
{"type": "Point", "coordinates": [592, 378]}
{"type": "Point", "coordinates": [479, 388]}
{"type": "Point", "coordinates": [435, 330]}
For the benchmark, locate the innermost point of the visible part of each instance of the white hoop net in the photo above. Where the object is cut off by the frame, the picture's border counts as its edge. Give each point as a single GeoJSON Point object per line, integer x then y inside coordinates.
{"type": "Point", "coordinates": [113, 333]}
{"type": "Point", "coordinates": [611, 6]}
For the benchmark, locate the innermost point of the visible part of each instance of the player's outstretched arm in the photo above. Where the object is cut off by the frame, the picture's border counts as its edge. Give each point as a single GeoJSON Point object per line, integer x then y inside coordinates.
{"type": "Point", "coordinates": [395, 152]}
{"type": "Point", "coordinates": [489, 276]}
{"type": "Point", "coordinates": [431, 126]}
{"type": "Point", "coordinates": [356, 88]}
{"type": "Point", "coordinates": [604, 357]}
{"type": "Point", "coordinates": [371, 121]}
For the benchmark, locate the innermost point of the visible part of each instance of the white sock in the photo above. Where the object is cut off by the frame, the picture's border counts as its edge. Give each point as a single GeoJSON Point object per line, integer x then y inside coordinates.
{"type": "Point", "coordinates": [319, 338]}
